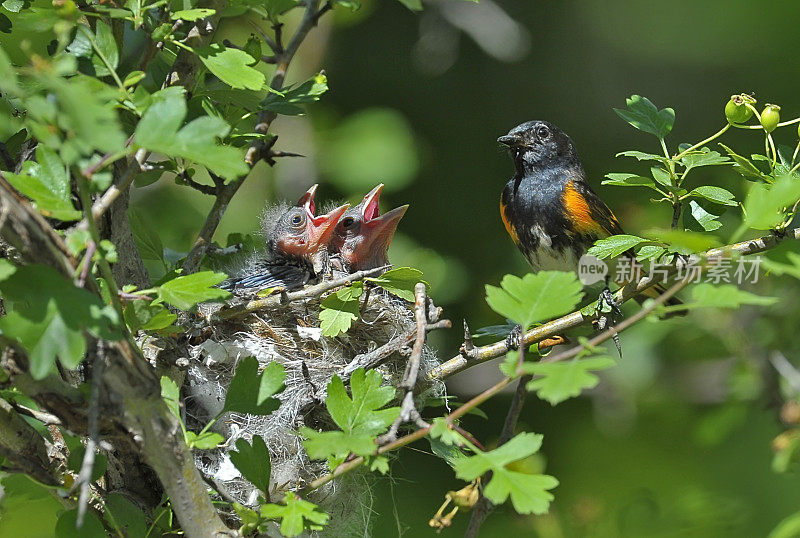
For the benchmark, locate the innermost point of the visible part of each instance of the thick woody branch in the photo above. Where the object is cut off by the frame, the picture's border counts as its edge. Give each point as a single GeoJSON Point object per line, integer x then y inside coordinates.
{"type": "Point", "coordinates": [477, 355]}
{"type": "Point", "coordinates": [24, 448]}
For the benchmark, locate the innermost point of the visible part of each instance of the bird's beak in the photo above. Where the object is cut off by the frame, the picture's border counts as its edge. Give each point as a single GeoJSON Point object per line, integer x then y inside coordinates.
{"type": "Point", "coordinates": [307, 200]}
{"type": "Point", "coordinates": [378, 231]}
{"type": "Point", "coordinates": [321, 228]}
{"type": "Point", "coordinates": [369, 206]}
{"type": "Point", "coordinates": [512, 141]}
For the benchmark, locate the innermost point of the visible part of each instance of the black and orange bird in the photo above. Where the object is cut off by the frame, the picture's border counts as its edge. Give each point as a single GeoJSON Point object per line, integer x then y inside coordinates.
{"type": "Point", "coordinates": [296, 247]}
{"type": "Point", "coordinates": [548, 207]}
{"type": "Point", "coordinates": [362, 236]}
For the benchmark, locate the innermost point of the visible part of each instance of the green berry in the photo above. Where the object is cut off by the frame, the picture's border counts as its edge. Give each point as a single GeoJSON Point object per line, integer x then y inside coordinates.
{"type": "Point", "coordinates": [736, 110]}
{"type": "Point", "coordinates": [770, 117]}
{"type": "Point", "coordinates": [253, 48]}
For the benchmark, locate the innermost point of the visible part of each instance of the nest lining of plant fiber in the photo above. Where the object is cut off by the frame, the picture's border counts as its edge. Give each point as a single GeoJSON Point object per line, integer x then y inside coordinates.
{"type": "Point", "coordinates": [280, 334]}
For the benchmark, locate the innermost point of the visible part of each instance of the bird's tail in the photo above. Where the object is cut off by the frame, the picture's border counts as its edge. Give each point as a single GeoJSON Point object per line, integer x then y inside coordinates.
{"type": "Point", "coordinates": [654, 292]}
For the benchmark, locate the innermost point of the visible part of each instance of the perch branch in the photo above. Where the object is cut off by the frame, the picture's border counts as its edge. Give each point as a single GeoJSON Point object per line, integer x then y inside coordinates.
{"type": "Point", "coordinates": [477, 355]}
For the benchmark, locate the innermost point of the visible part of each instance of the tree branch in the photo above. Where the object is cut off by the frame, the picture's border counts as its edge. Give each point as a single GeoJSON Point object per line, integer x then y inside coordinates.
{"type": "Point", "coordinates": [477, 355]}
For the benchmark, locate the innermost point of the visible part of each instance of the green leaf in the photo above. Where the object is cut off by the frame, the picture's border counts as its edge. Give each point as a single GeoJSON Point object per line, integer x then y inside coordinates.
{"type": "Point", "coordinates": [705, 220]}
{"type": "Point", "coordinates": [133, 78]}
{"type": "Point", "coordinates": [705, 157]}
{"type": "Point", "coordinates": [146, 237]}
{"type": "Point", "coordinates": [442, 430]}
{"type": "Point", "coordinates": [400, 281]}
{"type": "Point", "coordinates": [448, 452]}
{"type": "Point", "coordinates": [204, 440]}
{"type": "Point", "coordinates": [289, 101]}
{"type": "Point", "coordinates": [105, 45]}
{"type": "Point", "coordinates": [48, 315]}
{"type": "Point", "coordinates": [46, 182]}
{"type": "Point", "coordinates": [158, 131]}
{"type": "Point", "coordinates": [649, 252]}
{"type": "Point", "coordinates": [535, 297]}
{"type": "Point", "coordinates": [360, 417]}
{"type": "Point", "coordinates": [661, 176]}
{"type": "Point", "coordinates": [641, 156]}
{"type": "Point", "coordinates": [295, 515]}
{"type": "Point", "coordinates": [528, 492]}
{"type": "Point", "coordinates": [789, 527]}
{"type": "Point", "coordinates": [765, 204]}
{"type": "Point", "coordinates": [684, 242]}
{"type": "Point", "coordinates": [278, 7]}
{"type": "Point", "coordinates": [253, 462]}
{"type": "Point", "coordinates": [232, 67]}
{"type": "Point", "coordinates": [629, 180]}
{"type": "Point", "coordinates": [251, 392]}
{"type": "Point", "coordinates": [643, 115]}
{"type": "Point", "coordinates": [339, 311]}
{"type": "Point", "coordinates": [792, 268]}
{"type": "Point", "coordinates": [14, 6]}
{"type": "Point", "coordinates": [171, 395]}
{"type": "Point", "coordinates": [66, 526]}
{"type": "Point", "coordinates": [186, 291]}
{"type": "Point", "coordinates": [743, 165]}
{"type": "Point", "coordinates": [413, 5]}
{"type": "Point", "coordinates": [613, 246]}
{"type": "Point", "coordinates": [726, 296]}
{"type": "Point", "coordinates": [560, 381]}
{"type": "Point", "coordinates": [714, 194]}
{"type": "Point", "coordinates": [126, 516]}
{"type": "Point", "coordinates": [192, 14]}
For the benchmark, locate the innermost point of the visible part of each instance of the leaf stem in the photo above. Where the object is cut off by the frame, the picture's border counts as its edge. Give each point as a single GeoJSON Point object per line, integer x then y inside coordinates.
{"type": "Point", "coordinates": [703, 142]}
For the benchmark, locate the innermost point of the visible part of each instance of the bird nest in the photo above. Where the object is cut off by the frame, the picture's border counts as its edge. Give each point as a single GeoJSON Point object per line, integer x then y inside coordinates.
{"type": "Point", "coordinates": [289, 334]}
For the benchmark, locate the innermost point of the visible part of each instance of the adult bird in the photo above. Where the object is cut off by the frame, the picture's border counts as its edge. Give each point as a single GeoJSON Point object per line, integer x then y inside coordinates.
{"type": "Point", "coordinates": [297, 247]}
{"type": "Point", "coordinates": [362, 236]}
{"type": "Point", "coordinates": [548, 207]}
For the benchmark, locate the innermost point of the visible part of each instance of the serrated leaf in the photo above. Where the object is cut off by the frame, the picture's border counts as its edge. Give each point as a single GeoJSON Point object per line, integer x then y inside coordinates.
{"type": "Point", "coordinates": [105, 45]}
{"type": "Point", "coordinates": [535, 297]}
{"type": "Point", "coordinates": [765, 205]}
{"type": "Point", "coordinates": [48, 314]}
{"type": "Point", "coordinates": [232, 67]}
{"type": "Point", "coordinates": [192, 14]}
{"type": "Point", "coordinates": [171, 395]}
{"type": "Point", "coordinates": [714, 194]}
{"type": "Point", "coordinates": [613, 246]}
{"type": "Point", "coordinates": [528, 492]}
{"type": "Point", "coordinates": [186, 291]}
{"type": "Point", "coordinates": [295, 515]}
{"type": "Point", "coordinates": [726, 296]}
{"type": "Point", "coordinates": [204, 440]}
{"type": "Point", "coordinates": [251, 392]}
{"type": "Point", "coordinates": [560, 381]}
{"type": "Point", "coordinates": [159, 131]}
{"type": "Point", "coordinates": [147, 239]}
{"type": "Point", "coordinates": [649, 252]}
{"type": "Point", "coordinates": [629, 180]}
{"type": "Point", "coordinates": [705, 220]}
{"type": "Point", "coordinates": [46, 182]}
{"type": "Point", "coordinates": [253, 462]}
{"type": "Point", "coordinates": [337, 314]}
{"type": "Point", "coordinates": [289, 101]}
{"type": "Point", "coordinates": [705, 157]}
{"type": "Point", "coordinates": [684, 242]}
{"type": "Point", "coordinates": [643, 115]}
{"type": "Point", "coordinates": [743, 165]}
{"type": "Point", "coordinates": [400, 281]}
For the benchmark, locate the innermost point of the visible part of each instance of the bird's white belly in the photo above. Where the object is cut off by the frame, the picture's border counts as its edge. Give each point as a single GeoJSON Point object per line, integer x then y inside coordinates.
{"type": "Point", "coordinates": [547, 258]}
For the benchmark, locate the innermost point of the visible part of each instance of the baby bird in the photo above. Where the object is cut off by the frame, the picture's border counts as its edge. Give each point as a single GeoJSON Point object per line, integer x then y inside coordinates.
{"type": "Point", "coordinates": [362, 236]}
{"type": "Point", "coordinates": [297, 248]}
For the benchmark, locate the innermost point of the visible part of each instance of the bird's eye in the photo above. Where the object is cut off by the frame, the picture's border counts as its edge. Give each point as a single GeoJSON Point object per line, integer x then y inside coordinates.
{"type": "Point", "coordinates": [542, 132]}
{"type": "Point", "coordinates": [297, 220]}
{"type": "Point", "coordinates": [348, 222]}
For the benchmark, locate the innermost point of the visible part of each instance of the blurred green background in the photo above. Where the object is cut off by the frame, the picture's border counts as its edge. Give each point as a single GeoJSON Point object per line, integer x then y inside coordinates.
{"type": "Point", "coordinates": [675, 441]}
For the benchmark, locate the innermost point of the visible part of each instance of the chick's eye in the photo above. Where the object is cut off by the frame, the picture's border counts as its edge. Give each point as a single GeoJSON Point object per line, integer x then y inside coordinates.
{"type": "Point", "coordinates": [297, 219]}
{"type": "Point", "coordinates": [348, 222]}
{"type": "Point", "coordinates": [543, 132]}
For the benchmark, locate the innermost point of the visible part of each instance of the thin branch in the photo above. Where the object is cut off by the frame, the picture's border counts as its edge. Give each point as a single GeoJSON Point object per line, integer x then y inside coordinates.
{"type": "Point", "coordinates": [306, 293]}
{"type": "Point", "coordinates": [479, 355]}
{"type": "Point", "coordinates": [189, 182]}
{"type": "Point", "coordinates": [84, 479]}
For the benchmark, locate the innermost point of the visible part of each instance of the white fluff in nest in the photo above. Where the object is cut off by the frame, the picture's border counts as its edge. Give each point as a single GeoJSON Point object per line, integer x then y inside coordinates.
{"type": "Point", "coordinates": [285, 334]}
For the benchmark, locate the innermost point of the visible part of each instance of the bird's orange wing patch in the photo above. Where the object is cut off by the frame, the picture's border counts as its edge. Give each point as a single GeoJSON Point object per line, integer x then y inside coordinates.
{"type": "Point", "coordinates": [507, 223]}
{"type": "Point", "coordinates": [578, 211]}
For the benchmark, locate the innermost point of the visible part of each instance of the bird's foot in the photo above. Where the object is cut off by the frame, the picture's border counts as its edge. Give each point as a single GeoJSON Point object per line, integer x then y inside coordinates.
{"type": "Point", "coordinates": [608, 318]}
{"type": "Point", "coordinates": [514, 338]}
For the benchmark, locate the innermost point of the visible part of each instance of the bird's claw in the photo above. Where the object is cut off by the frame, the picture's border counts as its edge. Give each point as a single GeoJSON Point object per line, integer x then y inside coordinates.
{"type": "Point", "coordinates": [514, 338]}
{"type": "Point", "coordinates": [607, 299]}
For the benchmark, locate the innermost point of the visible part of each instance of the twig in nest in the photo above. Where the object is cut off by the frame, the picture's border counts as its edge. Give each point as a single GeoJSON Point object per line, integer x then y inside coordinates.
{"type": "Point", "coordinates": [408, 411]}
{"type": "Point", "coordinates": [306, 293]}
